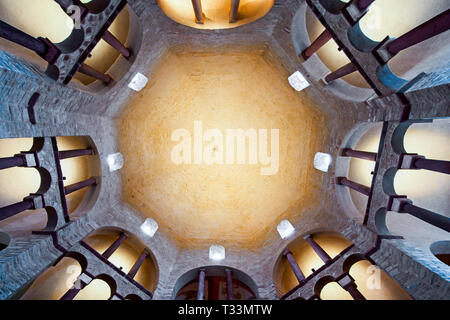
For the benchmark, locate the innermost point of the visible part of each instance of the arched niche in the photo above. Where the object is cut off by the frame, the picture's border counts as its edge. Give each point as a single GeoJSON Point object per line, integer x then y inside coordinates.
{"type": "Point", "coordinates": [186, 287]}
{"type": "Point", "coordinates": [441, 250]}
{"type": "Point", "coordinates": [16, 183]}
{"type": "Point", "coordinates": [40, 18]}
{"type": "Point", "coordinates": [372, 281]}
{"type": "Point", "coordinates": [307, 259]}
{"type": "Point", "coordinates": [364, 137]}
{"type": "Point", "coordinates": [4, 240]}
{"type": "Point", "coordinates": [305, 29]}
{"type": "Point", "coordinates": [127, 29]}
{"type": "Point", "coordinates": [127, 254]}
{"type": "Point", "coordinates": [425, 188]}
{"type": "Point", "coordinates": [395, 18]}
{"type": "Point", "coordinates": [54, 282]}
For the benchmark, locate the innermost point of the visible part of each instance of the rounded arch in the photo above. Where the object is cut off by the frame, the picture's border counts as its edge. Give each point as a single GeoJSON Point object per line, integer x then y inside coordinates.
{"type": "Point", "coordinates": [127, 254]}
{"type": "Point", "coordinates": [308, 260]}
{"type": "Point", "coordinates": [5, 239]}
{"type": "Point", "coordinates": [243, 285]}
{"type": "Point", "coordinates": [363, 137]}
{"type": "Point", "coordinates": [305, 28]}
{"type": "Point", "coordinates": [441, 250]}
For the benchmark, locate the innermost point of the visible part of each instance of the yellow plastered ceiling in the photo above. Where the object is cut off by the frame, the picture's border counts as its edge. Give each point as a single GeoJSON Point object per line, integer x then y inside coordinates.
{"type": "Point", "coordinates": [215, 12]}
{"type": "Point", "coordinates": [228, 204]}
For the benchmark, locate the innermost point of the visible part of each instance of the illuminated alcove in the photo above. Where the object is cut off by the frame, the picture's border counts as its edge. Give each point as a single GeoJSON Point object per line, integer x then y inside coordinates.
{"type": "Point", "coordinates": [16, 183]}
{"type": "Point", "coordinates": [330, 54]}
{"type": "Point", "coordinates": [215, 12]}
{"type": "Point", "coordinates": [186, 287]}
{"type": "Point", "coordinates": [395, 18]}
{"type": "Point", "coordinates": [441, 250]}
{"type": "Point", "coordinates": [45, 18]}
{"type": "Point", "coordinates": [307, 259]}
{"type": "Point", "coordinates": [59, 278]}
{"type": "Point", "coordinates": [126, 255]}
{"type": "Point", "coordinates": [231, 204]}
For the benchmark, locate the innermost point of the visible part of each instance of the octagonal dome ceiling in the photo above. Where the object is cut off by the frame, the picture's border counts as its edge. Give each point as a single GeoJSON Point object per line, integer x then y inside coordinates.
{"type": "Point", "coordinates": [228, 203]}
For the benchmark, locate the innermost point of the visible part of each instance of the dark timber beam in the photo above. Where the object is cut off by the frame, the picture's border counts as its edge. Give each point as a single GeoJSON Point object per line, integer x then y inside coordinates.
{"type": "Point", "coordinates": [116, 244]}
{"type": "Point", "coordinates": [341, 72]}
{"type": "Point", "coordinates": [294, 266]}
{"type": "Point", "coordinates": [316, 45]}
{"type": "Point", "coordinates": [198, 12]}
{"type": "Point", "coordinates": [353, 185]}
{"type": "Point", "coordinates": [318, 249]}
{"type": "Point", "coordinates": [80, 185]}
{"type": "Point", "coordinates": [116, 44]}
{"type": "Point", "coordinates": [137, 265]}
{"type": "Point", "coordinates": [234, 8]}
{"type": "Point", "coordinates": [371, 156]}
{"type": "Point", "coordinates": [75, 153]}
{"type": "Point", "coordinates": [89, 71]}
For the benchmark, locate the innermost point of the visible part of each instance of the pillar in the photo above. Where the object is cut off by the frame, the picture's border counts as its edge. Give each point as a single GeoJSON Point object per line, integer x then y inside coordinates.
{"type": "Point", "coordinates": [80, 185]}
{"type": "Point", "coordinates": [234, 8]}
{"type": "Point", "coordinates": [116, 44]}
{"type": "Point", "coordinates": [341, 72]}
{"type": "Point", "coordinates": [294, 266]}
{"type": "Point", "coordinates": [198, 12]}
{"type": "Point", "coordinates": [64, 4]}
{"type": "Point", "coordinates": [28, 203]}
{"type": "Point", "coordinates": [89, 71]}
{"type": "Point", "coordinates": [201, 285]}
{"type": "Point", "coordinates": [82, 281]}
{"type": "Point", "coordinates": [353, 185]}
{"type": "Point", "coordinates": [229, 276]}
{"type": "Point", "coordinates": [43, 47]}
{"type": "Point", "coordinates": [427, 30]}
{"type": "Point", "coordinates": [318, 249]}
{"type": "Point", "coordinates": [371, 156]}
{"type": "Point", "coordinates": [316, 45]}
{"type": "Point", "coordinates": [401, 204]}
{"type": "Point", "coordinates": [137, 265]}
{"type": "Point", "coordinates": [75, 153]}
{"type": "Point", "coordinates": [414, 161]}
{"type": "Point", "coordinates": [116, 244]}
{"type": "Point", "coordinates": [348, 283]}
{"type": "Point", "coordinates": [17, 161]}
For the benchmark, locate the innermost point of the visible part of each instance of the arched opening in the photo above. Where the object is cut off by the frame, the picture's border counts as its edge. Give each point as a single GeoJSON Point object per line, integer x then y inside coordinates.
{"type": "Point", "coordinates": [26, 182]}
{"type": "Point", "coordinates": [4, 240]}
{"type": "Point", "coordinates": [306, 255]}
{"type": "Point", "coordinates": [131, 256]}
{"type": "Point", "coordinates": [54, 282]}
{"type": "Point", "coordinates": [215, 14]}
{"type": "Point", "coordinates": [441, 250]}
{"type": "Point", "coordinates": [215, 283]}
{"type": "Point", "coordinates": [333, 291]}
{"type": "Point", "coordinates": [374, 283]}
{"type": "Point", "coordinates": [390, 18]}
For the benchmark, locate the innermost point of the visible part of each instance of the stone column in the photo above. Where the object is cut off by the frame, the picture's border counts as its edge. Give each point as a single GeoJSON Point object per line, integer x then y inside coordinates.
{"type": "Point", "coordinates": [348, 283]}
{"type": "Point", "coordinates": [316, 45]}
{"type": "Point", "coordinates": [355, 186]}
{"type": "Point", "coordinates": [371, 156]}
{"type": "Point", "coordinates": [318, 249]}
{"type": "Point", "coordinates": [414, 161]}
{"type": "Point", "coordinates": [28, 203]}
{"type": "Point", "coordinates": [116, 244]}
{"type": "Point", "coordinates": [201, 284]}
{"type": "Point", "coordinates": [294, 266]}
{"type": "Point", "coordinates": [229, 276]}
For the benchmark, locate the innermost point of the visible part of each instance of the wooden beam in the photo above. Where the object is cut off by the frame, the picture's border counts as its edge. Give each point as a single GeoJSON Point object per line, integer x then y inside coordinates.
{"type": "Point", "coordinates": [197, 5]}
{"type": "Point", "coordinates": [234, 10]}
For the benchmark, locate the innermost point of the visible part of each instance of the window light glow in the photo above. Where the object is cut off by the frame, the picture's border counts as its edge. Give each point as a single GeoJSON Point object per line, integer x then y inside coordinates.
{"type": "Point", "coordinates": [138, 82]}
{"type": "Point", "coordinates": [322, 161]}
{"type": "Point", "coordinates": [285, 229]}
{"type": "Point", "coordinates": [216, 252]}
{"type": "Point", "coordinates": [298, 81]}
{"type": "Point", "coordinates": [115, 161]}
{"type": "Point", "coordinates": [149, 227]}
